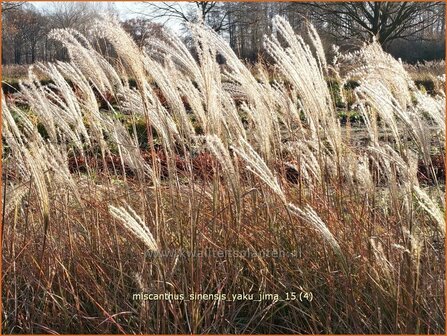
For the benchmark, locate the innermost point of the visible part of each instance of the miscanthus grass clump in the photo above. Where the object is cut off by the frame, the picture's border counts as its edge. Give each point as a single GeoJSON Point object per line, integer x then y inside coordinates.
{"type": "Point", "coordinates": [139, 171]}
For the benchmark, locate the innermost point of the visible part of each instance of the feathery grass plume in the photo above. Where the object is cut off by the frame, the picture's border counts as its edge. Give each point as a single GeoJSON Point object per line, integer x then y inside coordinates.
{"type": "Point", "coordinates": [129, 151]}
{"type": "Point", "coordinates": [258, 104]}
{"type": "Point", "coordinates": [318, 45]}
{"type": "Point", "coordinates": [378, 96]}
{"type": "Point", "coordinates": [33, 93]}
{"type": "Point", "coordinates": [35, 163]}
{"type": "Point", "coordinates": [170, 45]}
{"type": "Point", "coordinates": [132, 222]}
{"type": "Point", "coordinates": [434, 107]}
{"type": "Point", "coordinates": [84, 99]}
{"type": "Point", "coordinates": [163, 78]}
{"type": "Point", "coordinates": [257, 165]}
{"type": "Point", "coordinates": [372, 64]}
{"type": "Point", "coordinates": [310, 167]}
{"type": "Point", "coordinates": [412, 167]}
{"type": "Point", "coordinates": [13, 136]}
{"type": "Point", "coordinates": [57, 107]}
{"type": "Point", "coordinates": [393, 164]}
{"type": "Point", "coordinates": [287, 121]}
{"type": "Point", "coordinates": [125, 47]}
{"type": "Point", "coordinates": [131, 103]}
{"type": "Point", "coordinates": [17, 135]}
{"type": "Point", "coordinates": [276, 106]}
{"type": "Point", "coordinates": [82, 102]}
{"type": "Point", "coordinates": [223, 156]}
{"type": "Point", "coordinates": [410, 120]}
{"type": "Point", "coordinates": [194, 98]}
{"type": "Point", "coordinates": [430, 206]}
{"type": "Point", "coordinates": [15, 196]}
{"type": "Point", "coordinates": [259, 128]}
{"type": "Point", "coordinates": [56, 162]}
{"type": "Point", "coordinates": [211, 83]}
{"type": "Point", "coordinates": [297, 63]}
{"type": "Point", "coordinates": [228, 115]}
{"type": "Point", "coordinates": [416, 238]}
{"type": "Point", "coordinates": [132, 59]}
{"type": "Point", "coordinates": [385, 272]}
{"type": "Point", "coordinates": [231, 118]}
{"type": "Point", "coordinates": [63, 107]}
{"type": "Point", "coordinates": [364, 173]}
{"type": "Point", "coordinates": [369, 116]}
{"type": "Point", "coordinates": [312, 217]}
{"type": "Point", "coordinates": [420, 132]}
{"type": "Point", "coordinates": [238, 77]}
{"type": "Point", "coordinates": [83, 55]}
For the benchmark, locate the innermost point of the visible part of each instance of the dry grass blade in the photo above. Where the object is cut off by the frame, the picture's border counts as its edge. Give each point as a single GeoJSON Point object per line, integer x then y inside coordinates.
{"type": "Point", "coordinates": [312, 217]}
{"type": "Point", "coordinates": [429, 205]}
{"type": "Point", "coordinates": [224, 160]}
{"type": "Point", "coordinates": [258, 166]}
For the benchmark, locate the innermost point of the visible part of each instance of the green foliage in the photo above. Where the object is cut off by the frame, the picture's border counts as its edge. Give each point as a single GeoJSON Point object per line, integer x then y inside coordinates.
{"type": "Point", "coordinates": [426, 86]}
{"type": "Point", "coordinates": [334, 87]}
{"type": "Point", "coordinates": [140, 128]}
{"type": "Point", "coordinates": [353, 116]}
{"type": "Point", "coordinates": [42, 131]}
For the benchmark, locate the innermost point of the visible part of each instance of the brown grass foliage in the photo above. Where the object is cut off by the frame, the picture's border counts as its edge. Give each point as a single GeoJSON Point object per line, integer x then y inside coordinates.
{"type": "Point", "coordinates": [228, 163]}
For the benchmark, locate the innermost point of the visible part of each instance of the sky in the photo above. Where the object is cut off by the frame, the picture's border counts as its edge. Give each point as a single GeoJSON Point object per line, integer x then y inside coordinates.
{"type": "Point", "coordinates": [125, 9]}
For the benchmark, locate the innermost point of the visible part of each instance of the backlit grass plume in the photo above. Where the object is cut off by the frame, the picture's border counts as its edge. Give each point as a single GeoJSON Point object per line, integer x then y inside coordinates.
{"type": "Point", "coordinates": [132, 222]}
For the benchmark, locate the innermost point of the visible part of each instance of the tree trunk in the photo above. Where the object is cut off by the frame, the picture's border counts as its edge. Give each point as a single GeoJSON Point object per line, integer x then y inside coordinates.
{"type": "Point", "coordinates": [33, 52]}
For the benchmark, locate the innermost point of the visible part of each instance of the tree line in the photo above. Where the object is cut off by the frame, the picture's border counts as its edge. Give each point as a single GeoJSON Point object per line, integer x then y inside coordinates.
{"type": "Point", "coordinates": [410, 30]}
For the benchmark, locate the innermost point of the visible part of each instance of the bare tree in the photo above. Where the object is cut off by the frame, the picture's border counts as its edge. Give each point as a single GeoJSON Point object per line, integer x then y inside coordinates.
{"type": "Point", "coordinates": [23, 27]}
{"type": "Point", "coordinates": [72, 14]}
{"type": "Point", "coordinates": [211, 12]}
{"type": "Point", "coordinates": [75, 15]}
{"type": "Point", "coordinates": [386, 21]}
{"type": "Point", "coordinates": [142, 29]}
{"type": "Point", "coordinates": [11, 5]}
{"type": "Point", "coordinates": [243, 24]}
